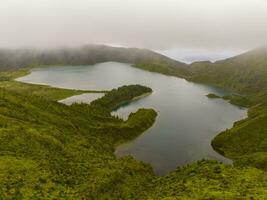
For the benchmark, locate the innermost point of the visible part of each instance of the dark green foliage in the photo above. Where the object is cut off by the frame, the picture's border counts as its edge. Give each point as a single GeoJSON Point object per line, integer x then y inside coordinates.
{"type": "Point", "coordinates": [246, 142]}
{"type": "Point", "coordinates": [212, 96]}
{"type": "Point", "coordinates": [247, 100]}
{"type": "Point", "coordinates": [124, 94]}
{"type": "Point", "coordinates": [163, 67]}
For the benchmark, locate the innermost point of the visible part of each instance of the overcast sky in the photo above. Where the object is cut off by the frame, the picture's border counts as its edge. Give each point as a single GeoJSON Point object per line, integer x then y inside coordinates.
{"type": "Point", "coordinates": [154, 24]}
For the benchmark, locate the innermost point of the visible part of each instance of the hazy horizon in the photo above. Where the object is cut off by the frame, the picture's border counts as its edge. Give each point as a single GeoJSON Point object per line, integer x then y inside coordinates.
{"type": "Point", "coordinates": [185, 30]}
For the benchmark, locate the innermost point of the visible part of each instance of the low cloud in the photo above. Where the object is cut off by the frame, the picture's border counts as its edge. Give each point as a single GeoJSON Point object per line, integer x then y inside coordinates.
{"type": "Point", "coordinates": [154, 24]}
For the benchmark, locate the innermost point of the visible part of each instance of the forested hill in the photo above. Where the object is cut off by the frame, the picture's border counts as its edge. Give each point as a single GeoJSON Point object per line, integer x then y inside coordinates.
{"type": "Point", "coordinates": [52, 151]}
{"type": "Point", "coordinates": [245, 73]}
{"type": "Point", "coordinates": [90, 54]}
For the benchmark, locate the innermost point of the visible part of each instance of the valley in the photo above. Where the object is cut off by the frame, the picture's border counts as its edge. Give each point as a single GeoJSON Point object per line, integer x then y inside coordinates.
{"type": "Point", "coordinates": [51, 150]}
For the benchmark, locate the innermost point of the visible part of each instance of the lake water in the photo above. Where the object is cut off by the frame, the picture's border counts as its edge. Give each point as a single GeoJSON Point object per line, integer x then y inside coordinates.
{"type": "Point", "coordinates": [187, 120]}
{"type": "Point", "coordinates": [82, 98]}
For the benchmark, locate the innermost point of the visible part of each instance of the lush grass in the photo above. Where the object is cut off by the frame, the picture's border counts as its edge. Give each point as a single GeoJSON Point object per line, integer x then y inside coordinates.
{"type": "Point", "coordinates": [124, 94]}
{"type": "Point", "coordinates": [212, 96]}
{"type": "Point", "coordinates": [13, 74]}
{"type": "Point", "coordinates": [212, 180]}
{"type": "Point", "coordinates": [7, 82]}
{"type": "Point", "coordinates": [246, 142]}
{"type": "Point", "coordinates": [166, 68]}
{"type": "Point", "coordinates": [52, 151]}
{"type": "Point", "coordinates": [251, 133]}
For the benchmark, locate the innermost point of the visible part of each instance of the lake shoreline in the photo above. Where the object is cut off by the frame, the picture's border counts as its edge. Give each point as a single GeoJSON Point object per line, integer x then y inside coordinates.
{"type": "Point", "coordinates": [133, 99]}
{"type": "Point", "coordinates": [144, 95]}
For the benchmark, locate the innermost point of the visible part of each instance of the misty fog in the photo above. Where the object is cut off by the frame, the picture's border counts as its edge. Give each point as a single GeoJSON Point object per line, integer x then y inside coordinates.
{"type": "Point", "coordinates": [211, 26]}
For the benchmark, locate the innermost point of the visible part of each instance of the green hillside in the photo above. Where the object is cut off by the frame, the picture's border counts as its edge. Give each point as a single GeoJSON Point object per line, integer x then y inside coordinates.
{"type": "Point", "coordinates": [246, 73]}
{"type": "Point", "coordinates": [246, 142]}
{"type": "Point", "coordinates": [211, 180]}
{"type": "Point", "coordinates": [52, 151]}
{"type": "Point", "coordinates": [87, 55]}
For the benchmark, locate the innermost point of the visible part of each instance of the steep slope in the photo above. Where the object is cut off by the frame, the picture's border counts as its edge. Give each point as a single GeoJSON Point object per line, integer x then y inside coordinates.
{"type": "Point", "coordinates": [245, 73]}
{"type": "Point", "coordinates": [49, 150]}
{"type": "Point", "coordinates": [246, 142]}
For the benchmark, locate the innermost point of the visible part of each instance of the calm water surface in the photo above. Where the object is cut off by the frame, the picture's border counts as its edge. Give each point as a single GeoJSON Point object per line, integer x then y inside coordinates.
{"type": "Point", "coordinates": [82, 98]}
{"type": "Point", "coordinates": [187, 120]}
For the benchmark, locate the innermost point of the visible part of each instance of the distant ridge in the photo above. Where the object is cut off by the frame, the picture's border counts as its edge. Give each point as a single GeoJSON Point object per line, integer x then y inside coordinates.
{"type": "Point", "coordinates": [243, 73]}
{"type": "Point", "coordinates": [89, 54]}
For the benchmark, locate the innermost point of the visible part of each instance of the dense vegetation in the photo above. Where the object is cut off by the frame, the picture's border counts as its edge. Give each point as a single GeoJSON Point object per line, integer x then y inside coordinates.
{"type": "Point", "coordinates": [163, 67]}
{"type": "Point", "coordinates": [212, 180]}
{"type": "Point", "coordinates": [124, 94]}
{"type": "Point", "coordinates": [250, 133]}
{"type": "Point", "coordinates": [212, 96]}
{"type": "Point", "coordinates": [50, 150]}
{"type": "Point", "coordinates": [246, 73]}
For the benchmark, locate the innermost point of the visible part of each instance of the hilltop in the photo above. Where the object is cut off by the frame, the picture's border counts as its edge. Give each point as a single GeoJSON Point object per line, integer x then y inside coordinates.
{"type": "Point", "coordinates": [245, 73]}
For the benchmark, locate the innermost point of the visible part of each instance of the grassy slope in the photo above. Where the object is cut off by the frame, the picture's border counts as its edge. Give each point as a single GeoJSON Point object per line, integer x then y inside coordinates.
{"type": "Point", "coordinates": [50, 150]}
{"type": "Point", "coordinates": [122, 95]}
{"type": "Point", "coordinates": [245, 143]}
{"type": "Point", "coordinates": [211, 180]}
{"type": "Point", "coordinates": [7, 82]}
{"type": "Point", "coordinates": [213, 96]}
{"type": "Point", "coordinates": [162, 67]}
{"type": "Point", "coordinates": [246, 73]}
